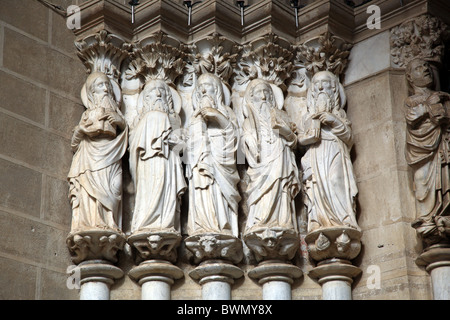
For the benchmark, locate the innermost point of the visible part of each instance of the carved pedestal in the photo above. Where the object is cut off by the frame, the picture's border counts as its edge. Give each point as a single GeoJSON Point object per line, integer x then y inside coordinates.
{"type": "Point", "coordinates": [273, 248]}
{"type": "Point", "coordinates": [155, 253]}
{"type": "Point", "coordinates": [436, 260]}
{"type": "Point", "coordinates": [95, 252]}
{"type": "Point", "coordinates": [216, 272]}
{"type": "Point", "coordinates": [333, 249]}
{"type": "Point", "coordinates": [216, 278]}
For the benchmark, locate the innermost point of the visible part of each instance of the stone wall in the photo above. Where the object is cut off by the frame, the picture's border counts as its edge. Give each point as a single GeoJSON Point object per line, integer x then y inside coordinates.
{"type": "Point", "coordinates": [40, 81]}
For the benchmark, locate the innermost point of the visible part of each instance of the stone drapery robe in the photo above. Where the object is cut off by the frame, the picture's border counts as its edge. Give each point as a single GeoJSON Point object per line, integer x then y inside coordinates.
{"type": "Point", "coordinates": [95, 181]}
{"type": "Point", "coordinates": [157, 174]}
{"type": "Point", "coordinates": [213, 177]}
{"type": "Point", "coordinates": [428, 152]}
{"type": "Point", "coordinates": [329, 178]}
{"type": "Point", "coordinates": [273, 176]}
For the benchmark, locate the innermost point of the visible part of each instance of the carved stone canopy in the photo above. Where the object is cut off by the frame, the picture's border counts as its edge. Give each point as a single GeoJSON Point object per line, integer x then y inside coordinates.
{"type": "Point", "coordinates": [103, 52]}
{"type": "Point", "coordinates": [421, 37]}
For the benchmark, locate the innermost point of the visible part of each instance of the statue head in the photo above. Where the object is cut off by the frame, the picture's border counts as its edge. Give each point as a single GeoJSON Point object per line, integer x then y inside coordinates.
{"type": "Point", "coordinates": [419, 74]}
{"type": "Point", "coordinates": [208, 92]}
{"type": "Point", "coordinates": [157, 96]}
{"type": "Point", "coordinates": [326, 93]}
{"type": "Point", "coordinates": [260, 96]}
{"type": "Point", "coordinates": [98, 91]}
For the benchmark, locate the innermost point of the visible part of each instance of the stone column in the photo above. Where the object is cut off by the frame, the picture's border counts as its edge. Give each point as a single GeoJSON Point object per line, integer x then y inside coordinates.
{"type": "Point", "coordinates": [94, 254]}
{"type": "Point", "coordinates": [216, 278]}
{"type": "Point", "coordinates": [333, 249]}
{"type": "Point", "coordinates": [436, 260]}
{"type": "Point", "coordinates": [95, 176]}
{"type": "Point", "coordinates": [424, 50]}
{"type": "Point", "coordinates": [153, 102]}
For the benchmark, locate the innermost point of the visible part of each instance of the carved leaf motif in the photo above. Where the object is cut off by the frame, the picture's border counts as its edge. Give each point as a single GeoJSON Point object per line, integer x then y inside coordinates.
{"type": "Point", "coordinates": [421, 37]}
{"type": "Point", "coordinates": [329, 55]}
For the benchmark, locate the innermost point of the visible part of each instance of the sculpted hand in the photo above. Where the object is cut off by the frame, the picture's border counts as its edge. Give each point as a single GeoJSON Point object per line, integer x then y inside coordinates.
{"type": "Point", "coordinates": [211, 114]}
{"type": "Point", "coordinates": [114, 118]}
{"type": "Point", "coordinates": [327, 118]}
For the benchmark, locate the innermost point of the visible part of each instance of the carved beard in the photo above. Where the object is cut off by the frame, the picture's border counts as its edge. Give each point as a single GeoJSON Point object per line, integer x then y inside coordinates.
{"type": "Point", "coordinates": [160, 105]}
{"type": "Point", "coordinates": [206, 101]}
{"type": "Point", "coordinates": [105, 102]}
{"type": "Point", "coordinates": [323, 102]}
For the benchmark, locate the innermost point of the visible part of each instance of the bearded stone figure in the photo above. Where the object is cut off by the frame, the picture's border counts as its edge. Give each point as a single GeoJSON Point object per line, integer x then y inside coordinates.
{"type": "Point", "coordinates": [211, 170]}
{"type": "Point", "coordinates": [328, 178]}
{"type": "Point", "coordinates": [268, 141]}
{"type": "Point", "coordinates": [99, 142]}
{"type": "Point", "coordinates": [155, 163]}
{"type": "Point", "coordinates": [428, 152]}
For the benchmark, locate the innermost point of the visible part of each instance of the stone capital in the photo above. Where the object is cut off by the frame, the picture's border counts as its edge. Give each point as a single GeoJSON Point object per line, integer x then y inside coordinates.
{"type": "Point", "coordinates": [155, 245]}
{"type": "Point", "coordinates": [214, 246]}
{"type": "Point", "coordinates": [335, 242]}
{"type": "Point", "coordinates": [95, 244]}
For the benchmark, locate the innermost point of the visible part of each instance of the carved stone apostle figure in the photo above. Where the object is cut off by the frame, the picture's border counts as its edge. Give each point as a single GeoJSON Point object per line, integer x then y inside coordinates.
{"type": "Point", "coordinates": [428, 152]}
{"type": "Point", "coordinates": [155, 164]}
{"type": "Point", "coordinates": [268, 141]}
{"type": "Point", "coordinates": [328, 178]}
{"type": "Point", "coordinates": [99, 141]}
{"type": "Point", "coordinates": [212, 142]}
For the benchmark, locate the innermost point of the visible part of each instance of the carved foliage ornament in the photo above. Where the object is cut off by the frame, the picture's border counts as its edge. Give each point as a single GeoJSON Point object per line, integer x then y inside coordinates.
{"type": "Point", "coordinates": [422, 37]}
{"type": "Point", "coordinates": [103, 52]}
{"type": "Point", "coordinates": [324, 53]}
{"type": "Point", "coordinates": [265, 59]}
{"type": "Point", "coordinates": [156, 58]}
{"type": "Point", "coordinates": [215, 54]}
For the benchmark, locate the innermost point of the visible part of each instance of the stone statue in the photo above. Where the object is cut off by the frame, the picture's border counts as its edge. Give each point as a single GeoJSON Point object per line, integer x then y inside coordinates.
{"type": "Point", "coordinates": [99, 141]}
{"type": "Point", "coordinates": [268, 141]}
{"type": "Point", "coordinates": [155, 165]}
{"type": "Point", "coordinates": [328, 178]}
{"type": "Point", "coordinates": [212, 142]}
{"type": "Point", "coordinates": [428, 151]}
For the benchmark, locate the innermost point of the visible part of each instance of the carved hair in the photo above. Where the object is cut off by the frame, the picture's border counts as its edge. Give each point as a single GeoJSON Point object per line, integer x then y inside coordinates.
{"type": "Point", "coordinates": [339, 98]}
{"type": "Point", "coordinates": [169, 96]}
{"type": "Point", "coordinates": [219, 95]}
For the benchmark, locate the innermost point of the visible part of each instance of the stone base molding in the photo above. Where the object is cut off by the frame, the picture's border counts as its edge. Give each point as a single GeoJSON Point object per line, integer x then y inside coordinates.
{"type": "Point", "coordinates": [436, 260]}
{"type": "Point", "coordinates": [276, 277]}
{"type": "Point", "coordinates": [216, 278]}
{"type": "Point", "coordinates": [336, 277]}
{"type": "Point", "coordinates": [96, 278]}
{"type": "Point", "coordinates": [156, 278]}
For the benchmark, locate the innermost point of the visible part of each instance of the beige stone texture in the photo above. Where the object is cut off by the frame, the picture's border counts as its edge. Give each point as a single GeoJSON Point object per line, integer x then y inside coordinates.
{"type": "Point", "coordinates": [40, 82]}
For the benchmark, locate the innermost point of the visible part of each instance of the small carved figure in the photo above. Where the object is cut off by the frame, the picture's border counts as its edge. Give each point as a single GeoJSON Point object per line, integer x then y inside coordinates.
{"type": "Point", "coordinates": [428, 151]}
{"type": "Point", "coordinates": [211, 168]}
{"type": "Point", "coordinates": [268, 141]}
{"type": "Point", "coordinates": [99, 142]}
{"type": "Point", "coordinates": [328, 178]}
{"type": "Point", "coordinates": [155, 163]}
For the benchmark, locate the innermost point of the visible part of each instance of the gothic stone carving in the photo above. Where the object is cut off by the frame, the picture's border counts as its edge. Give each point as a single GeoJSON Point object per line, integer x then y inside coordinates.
{"type": "Point", "coordinates": [211, 168]}
{"type": "Point", "coordinates": [95, 178]}
{"type": "Point", "coordinates": [428, 152]}
{"type": "Point", "coordinates": [422, 37]}
{"type": "Point", "coordinates": [268, 141]}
